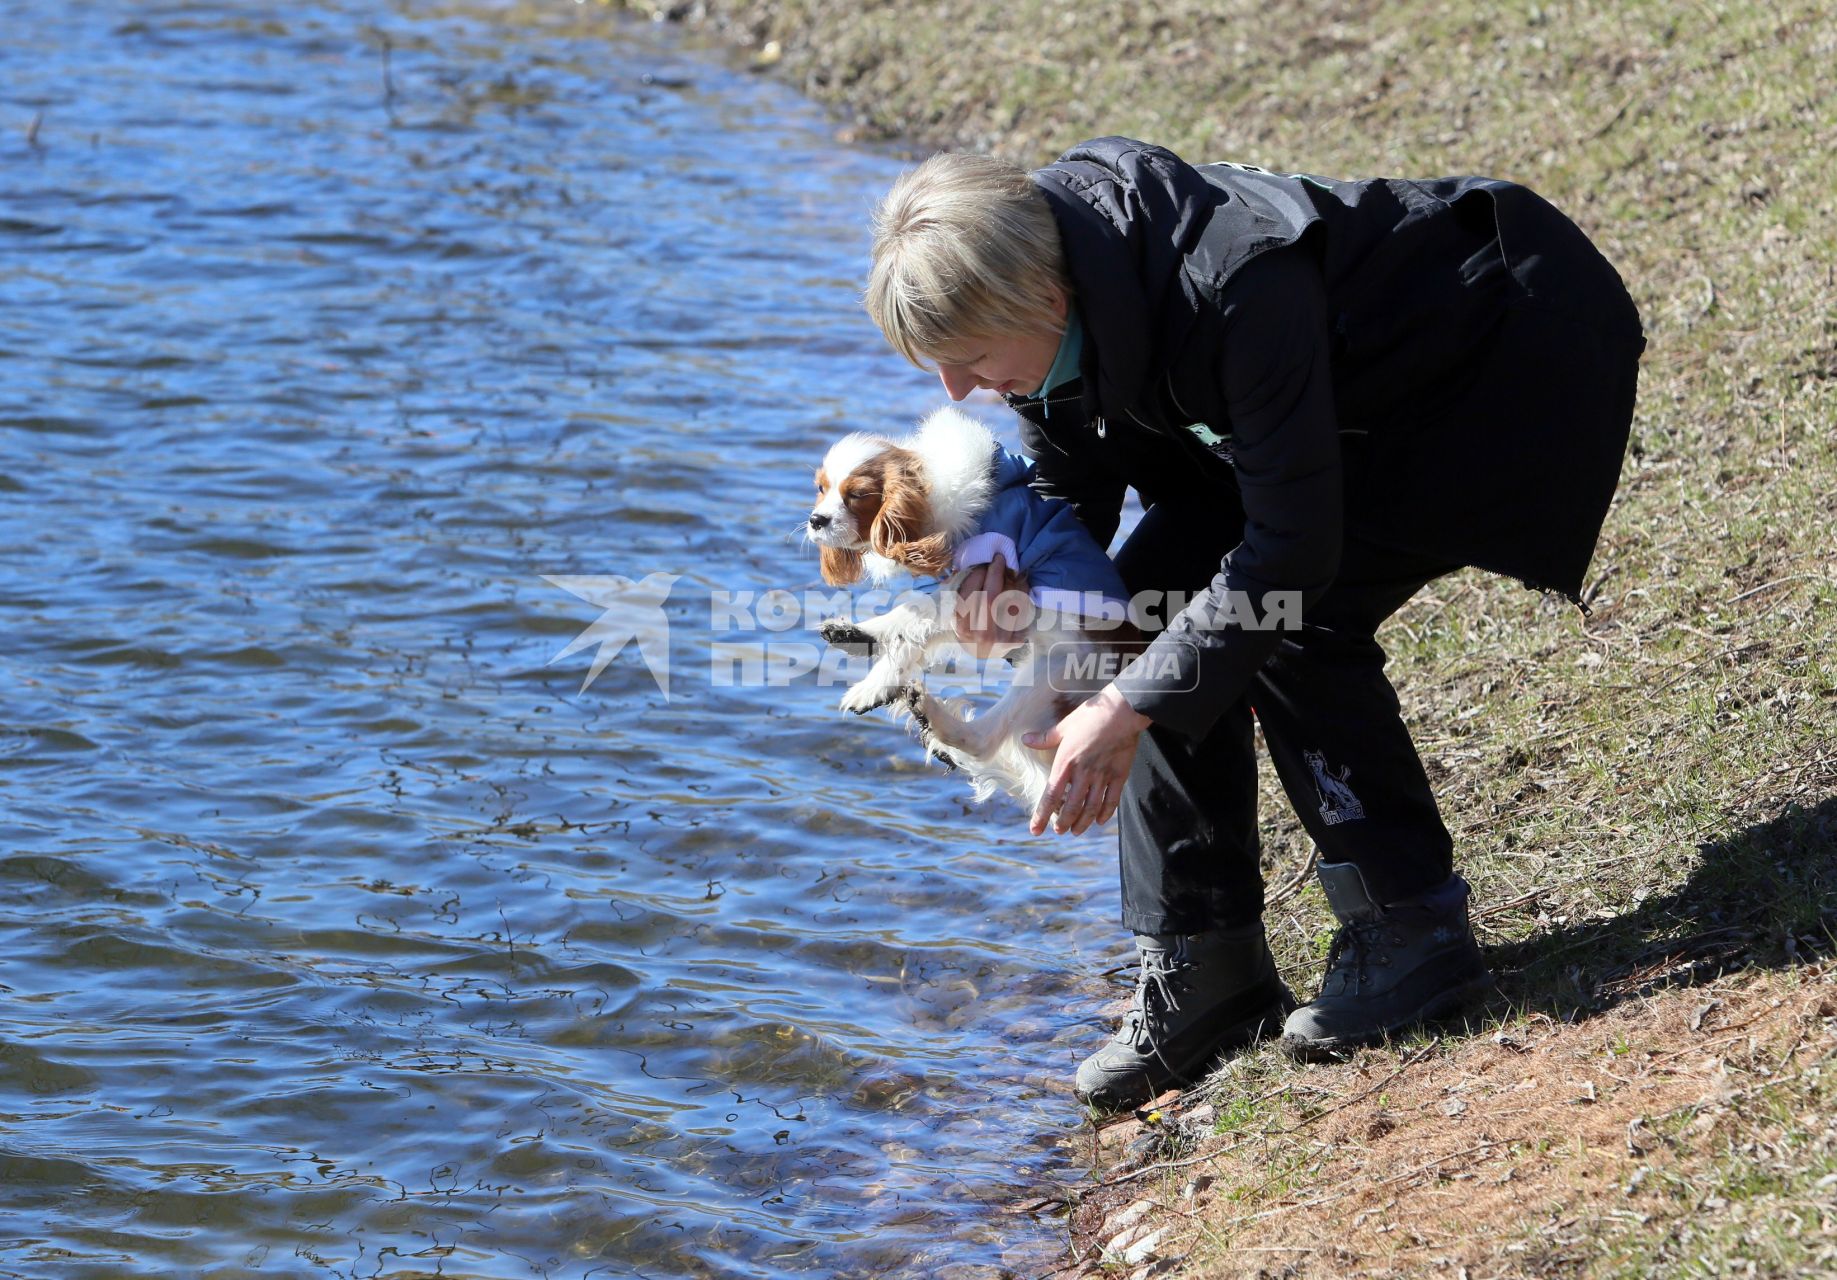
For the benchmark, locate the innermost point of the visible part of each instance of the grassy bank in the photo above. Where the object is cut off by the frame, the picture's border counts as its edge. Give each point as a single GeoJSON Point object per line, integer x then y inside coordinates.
{"type": "Point", "coordinates": [1645, 799]}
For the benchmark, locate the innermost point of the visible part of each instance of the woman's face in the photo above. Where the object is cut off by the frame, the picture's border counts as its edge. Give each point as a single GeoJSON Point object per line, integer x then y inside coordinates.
{"type": "Point", "coordinates": [1010, 364]}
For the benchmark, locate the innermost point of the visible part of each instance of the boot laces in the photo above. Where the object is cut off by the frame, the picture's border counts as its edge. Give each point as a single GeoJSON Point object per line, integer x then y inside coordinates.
{"type": "Point", "coordinates": [1357, 947]}
{"type": "Point", "coordinates": [1156, 997]}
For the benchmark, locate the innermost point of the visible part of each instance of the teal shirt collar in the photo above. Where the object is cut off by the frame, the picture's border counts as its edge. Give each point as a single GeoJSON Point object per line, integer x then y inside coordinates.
{"type": "Point", "coordinates": [1071, 346]}
{"type": "Point", "coordinates": [1065, 363]}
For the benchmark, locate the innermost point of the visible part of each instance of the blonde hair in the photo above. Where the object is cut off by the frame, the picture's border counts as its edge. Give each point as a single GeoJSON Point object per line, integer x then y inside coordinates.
{"type": "Point", "coordinates": [965, 247]}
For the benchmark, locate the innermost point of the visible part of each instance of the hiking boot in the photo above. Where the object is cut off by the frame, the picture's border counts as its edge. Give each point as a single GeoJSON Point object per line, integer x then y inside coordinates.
{"type": "Point", "coordinates": [1197, 996]}
{"type": "Point", "coordinates": [1391, 967]}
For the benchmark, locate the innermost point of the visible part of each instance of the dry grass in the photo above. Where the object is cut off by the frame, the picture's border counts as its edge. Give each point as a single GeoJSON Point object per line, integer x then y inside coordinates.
{"type": "Point", "coordinates": [1643, 799]}
{"type": "Point", "coordinates": [1684, 1133]}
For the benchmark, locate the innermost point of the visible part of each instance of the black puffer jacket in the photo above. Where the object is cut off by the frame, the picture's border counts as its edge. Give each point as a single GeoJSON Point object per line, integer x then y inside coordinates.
{"type": "Point", "coordinates": [1362, 359]}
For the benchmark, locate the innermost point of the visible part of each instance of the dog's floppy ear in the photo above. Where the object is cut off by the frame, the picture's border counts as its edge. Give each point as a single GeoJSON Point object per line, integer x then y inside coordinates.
{"type": "Point", "coordinates": [841, 567]}
{"type": "Point", "coordinates": [898, 531]}
{"type": "Point", "coordinates": [927, 557]}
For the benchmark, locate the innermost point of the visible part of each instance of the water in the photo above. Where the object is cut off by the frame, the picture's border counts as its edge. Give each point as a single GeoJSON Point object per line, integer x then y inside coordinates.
{"type": "Point", "coordinates": [342, 933]}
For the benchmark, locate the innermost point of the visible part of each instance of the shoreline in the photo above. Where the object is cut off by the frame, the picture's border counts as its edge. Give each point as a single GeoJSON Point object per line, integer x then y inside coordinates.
{"type": "Point", "coordinates": [1596, 1121]}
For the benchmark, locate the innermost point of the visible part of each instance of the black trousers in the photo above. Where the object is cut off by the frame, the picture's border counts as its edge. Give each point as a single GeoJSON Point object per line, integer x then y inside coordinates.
{"type": "Point", "coordinates": [1189, 858]}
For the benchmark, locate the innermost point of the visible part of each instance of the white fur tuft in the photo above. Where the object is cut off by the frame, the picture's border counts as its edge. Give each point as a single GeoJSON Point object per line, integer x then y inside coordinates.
{"type": "Point", "coordinates": [958, 454]}
{"type": "Point", "coordinates": [850, 452]}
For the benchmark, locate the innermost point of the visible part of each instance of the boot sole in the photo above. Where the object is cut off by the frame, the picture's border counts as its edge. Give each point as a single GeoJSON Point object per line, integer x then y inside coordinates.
{"type": "Point", "coordinates": [1263, 1025]}
{"type": "Point", "coordinates": [1445, 1005]}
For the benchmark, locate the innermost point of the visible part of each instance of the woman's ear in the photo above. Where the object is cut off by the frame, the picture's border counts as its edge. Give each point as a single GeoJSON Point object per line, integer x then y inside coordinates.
{"type": "Point", "coordinates": [841, 567]}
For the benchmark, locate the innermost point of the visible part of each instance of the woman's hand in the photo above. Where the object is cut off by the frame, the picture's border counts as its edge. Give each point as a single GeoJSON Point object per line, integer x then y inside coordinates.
{"type": "Point", "coordinates": [1096, 747]}
{"type": "Point", "coordinates": [993, 611]}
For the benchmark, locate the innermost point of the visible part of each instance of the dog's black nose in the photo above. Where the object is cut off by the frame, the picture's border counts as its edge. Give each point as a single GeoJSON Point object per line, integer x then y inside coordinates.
{"type": "Point", "coordinates": [819, 521]}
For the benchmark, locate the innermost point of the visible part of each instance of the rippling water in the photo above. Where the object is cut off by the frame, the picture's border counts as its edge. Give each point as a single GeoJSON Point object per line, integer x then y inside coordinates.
{"type": "Point", "coordinates": [342, 933]}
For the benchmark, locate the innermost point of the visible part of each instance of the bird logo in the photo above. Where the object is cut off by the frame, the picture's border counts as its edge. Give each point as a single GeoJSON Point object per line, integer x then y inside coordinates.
{"type": "Point", "coordinates": [633, 614]}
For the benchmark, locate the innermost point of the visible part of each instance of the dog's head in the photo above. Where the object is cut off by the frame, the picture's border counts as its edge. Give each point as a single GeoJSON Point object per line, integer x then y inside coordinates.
{"type": "Point", "coordinates": [872, 496]}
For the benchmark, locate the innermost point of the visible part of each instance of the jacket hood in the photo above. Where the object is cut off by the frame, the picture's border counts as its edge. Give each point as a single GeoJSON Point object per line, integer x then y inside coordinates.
{"type": "Point", "coordinates": [1128, 213]}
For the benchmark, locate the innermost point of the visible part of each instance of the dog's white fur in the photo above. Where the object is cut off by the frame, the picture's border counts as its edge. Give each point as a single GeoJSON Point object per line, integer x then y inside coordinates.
{"type": "Point", "coordinates": [1058, 665]}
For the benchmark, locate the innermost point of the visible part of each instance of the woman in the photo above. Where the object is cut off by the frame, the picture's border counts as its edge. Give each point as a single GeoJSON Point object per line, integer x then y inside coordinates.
{"type": "Point", "coordinates": [1323, 389]}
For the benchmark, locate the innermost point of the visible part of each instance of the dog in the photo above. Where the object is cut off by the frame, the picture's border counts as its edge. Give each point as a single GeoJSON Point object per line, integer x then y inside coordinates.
{"type": "Point", "coordinates": [937, 505]}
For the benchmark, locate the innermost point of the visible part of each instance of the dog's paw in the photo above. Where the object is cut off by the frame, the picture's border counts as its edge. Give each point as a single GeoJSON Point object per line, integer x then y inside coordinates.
{"type": "Point", "coordinates": [912, 698]}
{"type": "Point", "coordinates": [942, 756]}
{"type": "Point", "coordinates": [868, 695]}
{"type": "Point", "coordinates": [846, 636]}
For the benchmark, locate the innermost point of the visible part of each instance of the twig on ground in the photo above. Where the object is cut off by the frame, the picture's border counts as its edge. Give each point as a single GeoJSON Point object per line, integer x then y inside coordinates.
{"type": "Point", "coordinates": [1507, 905]}
{"type": "Point", "coordinates": [1162, 1166]}
{"type": "Point", "coordinates": [1294, 882]}
{"type": "Point", "coordinates": [1423, 1168]}
{"type": "Point", "coordinates": [1777, 582]}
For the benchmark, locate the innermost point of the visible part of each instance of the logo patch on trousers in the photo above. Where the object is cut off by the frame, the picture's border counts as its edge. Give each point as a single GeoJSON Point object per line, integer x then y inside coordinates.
{"type": "Point", "coordinates": [1337, 803]}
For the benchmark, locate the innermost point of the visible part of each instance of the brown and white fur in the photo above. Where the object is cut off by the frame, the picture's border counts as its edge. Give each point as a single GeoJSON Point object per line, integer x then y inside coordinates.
{"type": "Point", "coordinates": [883, 506]}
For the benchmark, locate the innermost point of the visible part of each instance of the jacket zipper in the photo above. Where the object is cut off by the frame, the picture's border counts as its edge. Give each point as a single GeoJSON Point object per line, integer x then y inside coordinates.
{"type": "Point", "coordinates": [1184, 411]}
{"type": "Point", "coordinates": [1151, 430]}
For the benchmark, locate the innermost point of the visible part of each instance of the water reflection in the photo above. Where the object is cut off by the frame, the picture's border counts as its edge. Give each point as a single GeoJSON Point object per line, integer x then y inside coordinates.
{"type": "Point", "coordinates": [341, 933]}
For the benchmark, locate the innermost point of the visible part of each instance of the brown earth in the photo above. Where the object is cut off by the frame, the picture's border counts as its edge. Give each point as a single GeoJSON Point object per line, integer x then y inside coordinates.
{"type": "Point", "coordinates": [1485, 1157]}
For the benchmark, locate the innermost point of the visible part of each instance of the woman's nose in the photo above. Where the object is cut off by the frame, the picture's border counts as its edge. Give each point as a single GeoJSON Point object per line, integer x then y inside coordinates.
{"type": "Point", "coordinates": [958, 380]}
